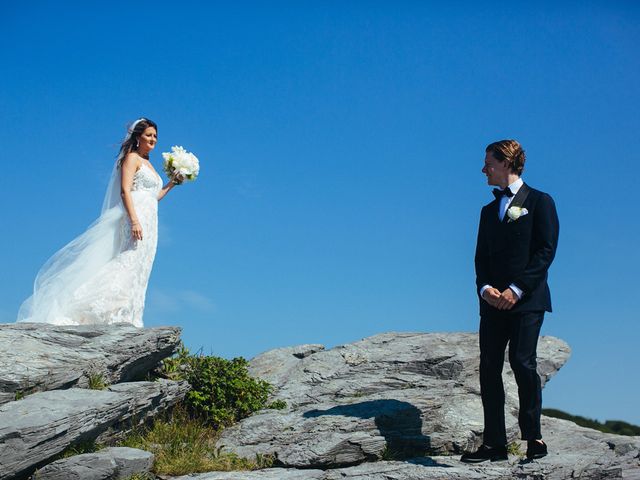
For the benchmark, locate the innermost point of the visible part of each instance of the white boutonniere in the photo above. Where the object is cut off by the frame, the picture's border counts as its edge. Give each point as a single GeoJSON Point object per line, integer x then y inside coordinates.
{"type": "Point", "coordinates": [514, 213]}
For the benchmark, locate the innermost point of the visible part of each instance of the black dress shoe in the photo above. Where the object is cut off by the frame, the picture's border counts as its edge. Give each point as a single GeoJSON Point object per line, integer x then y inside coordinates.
{"type": "Point", "coordinates": [485, 453]}
{"type": "Point", "coordinates": [536, 449]}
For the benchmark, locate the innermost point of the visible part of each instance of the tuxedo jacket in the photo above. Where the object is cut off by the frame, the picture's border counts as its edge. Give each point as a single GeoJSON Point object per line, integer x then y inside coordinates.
{"type": "Point", "coordinates": [518, 252]}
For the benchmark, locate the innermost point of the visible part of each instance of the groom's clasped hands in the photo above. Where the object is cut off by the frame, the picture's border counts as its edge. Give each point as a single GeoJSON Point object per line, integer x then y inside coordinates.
{"type": "Point", "coordinates": [500, 300]}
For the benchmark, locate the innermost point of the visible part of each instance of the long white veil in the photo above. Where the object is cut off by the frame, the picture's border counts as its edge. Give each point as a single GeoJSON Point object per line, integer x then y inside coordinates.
{"type": "Point", "coordinates": [77, 262]}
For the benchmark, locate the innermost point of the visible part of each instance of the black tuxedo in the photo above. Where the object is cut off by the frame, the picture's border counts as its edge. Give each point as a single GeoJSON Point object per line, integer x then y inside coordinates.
{"type": "Point", "coordinates": [518, 252]}
{"type": "Point", "coordinates": [514, 252]}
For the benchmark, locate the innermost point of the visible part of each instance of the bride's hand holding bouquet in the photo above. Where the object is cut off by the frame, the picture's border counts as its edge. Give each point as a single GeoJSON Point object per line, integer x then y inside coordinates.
{"type": "Point", "coordinates": [180, 165]}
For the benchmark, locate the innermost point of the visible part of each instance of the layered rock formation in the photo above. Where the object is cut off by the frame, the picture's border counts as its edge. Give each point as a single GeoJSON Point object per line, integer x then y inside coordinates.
{"type": "Point", "coordinates": [575, 453]}
{"type": "Point", "coordinates": [116, 463]}
{"type": "Point", "coordinates": [354, 411]}
{"type": "Point", "coordinates": [36, 357]}
{"type": "Point", "coordinates": [395, 406]}
{"type": "Point", "coordinates": [391, 395]}
{"type": "Point", "coordinates": [41, 416]}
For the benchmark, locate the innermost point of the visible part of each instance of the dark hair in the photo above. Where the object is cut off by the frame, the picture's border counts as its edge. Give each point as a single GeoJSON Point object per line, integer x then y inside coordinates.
{"type": "Point", "coordinates": [130, 143]}
{"type": "Point", "coordinates": [509, 151]}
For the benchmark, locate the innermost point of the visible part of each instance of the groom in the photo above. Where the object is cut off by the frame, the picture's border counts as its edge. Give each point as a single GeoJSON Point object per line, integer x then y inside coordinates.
{"type": "Point", "coordinates": [517, 241]}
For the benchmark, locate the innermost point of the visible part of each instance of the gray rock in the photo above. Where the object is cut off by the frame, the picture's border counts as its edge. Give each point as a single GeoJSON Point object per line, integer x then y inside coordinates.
{"type": "Point", "coordinates": [575, 453]}
{"type": "Point", "coordinates": [394, 395]}
{"type": "Point", "coordinates": [38, 357]}
{"type": "Point", "coordinates": [40, 426]}
{"type": "Point", "coordinates": [266, 474]}
{"type": "Point", "coordinates": [6, 397]}
{"type": "Point", "coordinates": [115, 463]}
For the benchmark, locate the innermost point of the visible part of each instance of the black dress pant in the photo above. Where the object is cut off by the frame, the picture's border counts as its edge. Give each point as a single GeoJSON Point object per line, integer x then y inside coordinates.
{"type": "Point", "coordinates": [521, 332]}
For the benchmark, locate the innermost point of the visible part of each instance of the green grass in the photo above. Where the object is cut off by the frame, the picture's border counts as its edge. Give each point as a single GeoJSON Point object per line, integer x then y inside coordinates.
{"type": "Point", "coordinates": [97, 381]}
{"type": "Point", "coordinates": [183, 444]}
{"type": "Point", "coordinates": [514, 449]}
{"type": "Point", "coordinates": [389, 455]}
{"type": "Point", "coordinates": [141, 476]}
{"type": "Point", "coordinates": [79, 449]}
{"type": "Point", "coordinates": [277, 405]}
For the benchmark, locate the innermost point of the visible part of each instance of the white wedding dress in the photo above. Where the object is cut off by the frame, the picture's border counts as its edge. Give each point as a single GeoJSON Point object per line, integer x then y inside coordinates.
{"type": "Point", "coordinates": [101, 276]}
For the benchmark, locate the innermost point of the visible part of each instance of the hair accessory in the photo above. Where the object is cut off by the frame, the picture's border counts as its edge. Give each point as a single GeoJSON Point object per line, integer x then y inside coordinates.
{"type": "Point", "coordinates": [133, 125]}
{"type": "Point", "coordinates": [131, 128]}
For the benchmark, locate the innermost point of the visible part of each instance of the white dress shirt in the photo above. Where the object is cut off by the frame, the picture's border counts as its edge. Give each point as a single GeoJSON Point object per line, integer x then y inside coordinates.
{"type": "Point", "coordinates": [506, 201]}
{"type": "Point", "coordinates": [504, 206]}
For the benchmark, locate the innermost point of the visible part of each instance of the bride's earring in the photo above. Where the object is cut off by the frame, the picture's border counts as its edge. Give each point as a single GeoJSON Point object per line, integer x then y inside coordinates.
{"type": "Point", "coordinates": [137, 143]}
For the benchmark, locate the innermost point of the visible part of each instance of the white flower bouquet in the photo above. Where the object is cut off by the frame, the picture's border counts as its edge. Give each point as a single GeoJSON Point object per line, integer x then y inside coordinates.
{"type": "Point", "coordinates": [179, 161]}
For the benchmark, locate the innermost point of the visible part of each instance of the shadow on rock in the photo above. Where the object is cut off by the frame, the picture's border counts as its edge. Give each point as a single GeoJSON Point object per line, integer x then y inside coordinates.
{"type": "Point", "coordinates": [427, 462]}
{"type": "Point", "coordinates": [400, 424]}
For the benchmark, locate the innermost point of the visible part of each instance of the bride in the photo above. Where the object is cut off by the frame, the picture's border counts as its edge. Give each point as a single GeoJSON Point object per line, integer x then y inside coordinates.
{"type": "Point", "coordinates": [101, 276]}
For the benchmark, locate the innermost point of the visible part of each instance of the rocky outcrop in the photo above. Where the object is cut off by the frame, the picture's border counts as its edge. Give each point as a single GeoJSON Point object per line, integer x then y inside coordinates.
{"type": "Point", "coordinates": [44, 407]}
{"type": "Point", "coordinates": [403, 406]}
{"type": "Point", "coordinates": [38, 357]}
{"type": "Point", "coordinates": [395, 406]}
{"type": "Point", "coordinates": [394, 395]}
{"type": "Point", "coordinates": [42, 425]}
{"type": "Point", "coordinates": [116, 463]}
{"type": "Point", "coordinates": [575, 453]}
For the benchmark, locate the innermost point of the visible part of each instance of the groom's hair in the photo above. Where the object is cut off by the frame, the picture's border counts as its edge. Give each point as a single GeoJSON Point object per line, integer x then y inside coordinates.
{"type": "Point", "coordinates": [508, 151]}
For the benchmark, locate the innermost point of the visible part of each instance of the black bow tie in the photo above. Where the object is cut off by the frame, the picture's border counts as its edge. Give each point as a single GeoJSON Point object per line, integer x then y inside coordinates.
{"type": "Point", "coordinates": [500, 193]}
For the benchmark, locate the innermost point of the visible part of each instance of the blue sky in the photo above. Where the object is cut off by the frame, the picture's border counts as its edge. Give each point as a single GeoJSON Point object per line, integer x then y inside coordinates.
{"type": "Point", "coordinates": [340, 145]}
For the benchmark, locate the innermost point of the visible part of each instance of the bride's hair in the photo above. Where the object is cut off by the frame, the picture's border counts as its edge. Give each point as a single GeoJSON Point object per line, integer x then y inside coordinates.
{"type": "Point", "coordinates": [130, 142]}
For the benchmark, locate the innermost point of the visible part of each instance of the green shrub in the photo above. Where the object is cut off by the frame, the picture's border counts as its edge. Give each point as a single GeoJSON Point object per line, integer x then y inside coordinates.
{"type": "Point", "coordinates": [610, 426]}
{"type": "Point", "coordinates": [222, 392]}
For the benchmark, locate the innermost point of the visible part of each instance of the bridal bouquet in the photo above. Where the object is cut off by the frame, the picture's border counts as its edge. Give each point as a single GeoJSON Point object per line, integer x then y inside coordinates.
{"type": "Point", "coordinates": [180, 161]}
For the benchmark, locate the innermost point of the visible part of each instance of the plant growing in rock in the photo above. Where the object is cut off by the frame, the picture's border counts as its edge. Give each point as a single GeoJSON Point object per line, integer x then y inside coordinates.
{"type": "Point", "coordinates": [26, 388]}
{"type": "Point", "coordinates": [141, 476]}
{"type": "Point", "coordinates": [174, 367]}
{"type": "Point", "coordinates": [222, 391]}
{"type": "Point", "coordinates": [389, 455]}
{"type": "Point", "coordinates": [183, 444]}
{"type": "Point", "coordinates": [96, 381]}
{"type": "Point", "coordinates": [264, 460]}
{"type": "Point", "coordinates": [514, 449]}
{"type": "Point", "coordinates": [88, 446]}
{"type": "Point", "coordinates": [277, 405]}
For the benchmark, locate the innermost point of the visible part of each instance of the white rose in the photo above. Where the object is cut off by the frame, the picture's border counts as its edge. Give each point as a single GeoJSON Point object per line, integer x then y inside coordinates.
{"type": "Point", "coordinates": [516, 212]}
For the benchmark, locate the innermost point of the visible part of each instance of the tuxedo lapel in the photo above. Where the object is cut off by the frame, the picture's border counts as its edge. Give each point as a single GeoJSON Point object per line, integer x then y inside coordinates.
{"type": "Point", "coordinates": [518, 200]}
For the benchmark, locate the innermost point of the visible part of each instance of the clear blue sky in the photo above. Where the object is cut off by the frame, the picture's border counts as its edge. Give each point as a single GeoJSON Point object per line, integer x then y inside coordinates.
{"type": "Point", "coordinates": [341, 145]}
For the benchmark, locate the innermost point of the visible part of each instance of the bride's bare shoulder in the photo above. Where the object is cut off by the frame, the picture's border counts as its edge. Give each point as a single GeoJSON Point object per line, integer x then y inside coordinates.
{"type": "Point", "coordinates": [132, 160]}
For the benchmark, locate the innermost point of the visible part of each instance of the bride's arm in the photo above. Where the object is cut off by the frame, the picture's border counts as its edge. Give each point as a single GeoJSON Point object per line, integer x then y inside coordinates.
{"type": "Point", "coordinates": [175, 180]}
{"type": "Point", "coordinates": [129, 167]}
{"type": "Point", "coordinates": [164, 190]}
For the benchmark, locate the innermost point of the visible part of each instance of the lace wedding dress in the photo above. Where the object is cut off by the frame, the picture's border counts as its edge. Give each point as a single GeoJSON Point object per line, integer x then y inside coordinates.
{"type": "Point", "coordinates": [101, 276]}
